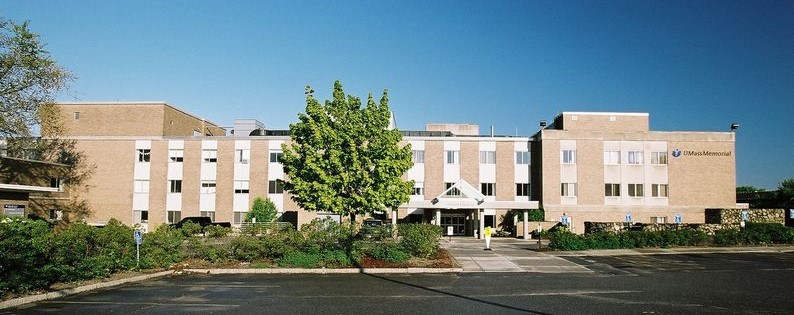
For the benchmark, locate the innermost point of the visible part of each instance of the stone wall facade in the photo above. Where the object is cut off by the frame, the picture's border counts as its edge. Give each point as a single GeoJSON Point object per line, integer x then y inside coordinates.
{"type": "Point", "coordinates": [734, 216]}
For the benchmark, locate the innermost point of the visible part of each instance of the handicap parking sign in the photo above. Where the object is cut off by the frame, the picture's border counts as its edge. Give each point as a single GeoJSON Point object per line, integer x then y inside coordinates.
{"type": "Point", "coordinates": [678, 219]}
{"type": "Point", "coordinates": [138, 236]}
{"type": "Point", "coordinates": [629, 218]}
{"type": "Point", "coordinates": [565, 220]}
{"type": "Point", "coordinates": [745, 215]}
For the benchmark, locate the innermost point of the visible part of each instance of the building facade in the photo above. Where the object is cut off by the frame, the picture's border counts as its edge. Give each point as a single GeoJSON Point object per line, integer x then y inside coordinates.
{"type": "Point", "coordinates": [609, 167]}
{"type": "Point", "coordinates": [156, 164]}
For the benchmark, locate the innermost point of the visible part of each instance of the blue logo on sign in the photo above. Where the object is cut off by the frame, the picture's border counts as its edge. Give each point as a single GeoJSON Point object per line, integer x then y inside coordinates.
{"type": "Point", "coordinates": [676, 153]}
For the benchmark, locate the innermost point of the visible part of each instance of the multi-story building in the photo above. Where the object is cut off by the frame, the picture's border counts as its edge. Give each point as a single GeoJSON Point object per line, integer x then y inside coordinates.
{"type": "Point", "coordinates": [609, 167]}
{"type": "Point", "coordinates": [156, 164]}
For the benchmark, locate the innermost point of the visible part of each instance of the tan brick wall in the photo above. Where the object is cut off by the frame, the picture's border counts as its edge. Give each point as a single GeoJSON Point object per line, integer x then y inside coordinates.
{"type": "Point", "coordinates": [132, 119]}
{"type": "Point", "coordinates": [224, 193]}
{"type": "Point", "coordinates": [621, 123]}
{"type": "Point", "coordinates": [178, 123]}
{"type": "Point", "coordinates": [260, 156]}
{"type": "Point", "coordinates": [434, 169]}
{"type": "Point", "coordinates": [551, 172]}
{"type": "Point", "coordinates": [505, 171]}
{"type": "Point", "coordinates": [191, 178]}
{"type": "Point", "coordinates": [110, 188]}
{"type": "Point", "coordinates": [590, 172]}
{"type": "Point", "coordinates": [158, 183]}
{"type": "Point", "coordinates": [707, 181]}
{"type": "Point", "coordinates": [469, 163]}
{"type": "Point", "coordinates": [113, 120]}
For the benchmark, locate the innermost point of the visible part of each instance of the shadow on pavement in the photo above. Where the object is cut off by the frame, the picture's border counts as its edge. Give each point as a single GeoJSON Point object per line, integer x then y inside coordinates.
{"type": "Point", "coordinates": [456, 295]}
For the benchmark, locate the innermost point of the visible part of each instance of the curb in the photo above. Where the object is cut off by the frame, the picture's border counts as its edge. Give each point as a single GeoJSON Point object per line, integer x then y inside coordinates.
{"type": "Point", "coordinates": [325, 271]}
{"type": "Point", "coordinates": [678, 251]}
{"type": "Point", "coordinates": [90, 287]}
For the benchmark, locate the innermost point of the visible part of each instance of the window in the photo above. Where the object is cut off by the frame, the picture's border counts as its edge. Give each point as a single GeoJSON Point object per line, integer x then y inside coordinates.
{"type": "Point", "coordinates": [55, 183]}
{"type": "Point", "coordinates": [453, 157]}
{"type": "Point", "coordinates": [568, 189]}
{"type": "Point", "coordinates": [209, 214]}
{"type": "Point", "coordinates": [612, 190]}
{"type": "Point", "coordinates": [487, 189]}
{"type": "Point", "coordinates": [141, 187]}
{"type": "Point", "coordinates": [522, 157]}
{"type": "Point", "coordinates": [242, 156]}
{"type": "Point", "coordinates": [659, 190]}
{"type": "Point", "coordinates": [611, 157]}
{"type": "Point", "coordinates": [209, 155]}
{"type": "Point", "coordinates": [176, 186]}
{"type": "Point", "coordinates": [176, 155]}
{"type": "Point", "coordinates": [659, 220]}
{"type": "Point", "coordinates": [419, 189]}
{"type": "Point", "coordinates": [208, 187]}
{"type": "Point", "coordinates": [275, 187]}
{"type": "Point", "coordinates": [635, 157]}
{"type": "Point", "coordinates": [174, 216]}
{"type": "Point", "coordinates": [487, 157]}
{"type": "Point", "coordinates": [418, 156]}
{"type": "Point", "coordinates": [144, 155]}
{"type": "Point", "coordinates": [140, 216]}
{"type": "Point", "coordinates": [241, 187]}
{"type": "Point", "coordinates": [635, 190]}
{"type": "Point", "coordinates": [239, 217]}
{"type": "Point", "coordinates": [453, 191]}
{"type": "Point", "coordinates": [522, 189]}
{"type": "Point", "coordinates": [659, 157]}
{"type": "Point", "coordinates": [275, 156]}
{"type": "Point", "coordinates": [568, 156]}
{"type": "Point", "coordinates": [76, 115]}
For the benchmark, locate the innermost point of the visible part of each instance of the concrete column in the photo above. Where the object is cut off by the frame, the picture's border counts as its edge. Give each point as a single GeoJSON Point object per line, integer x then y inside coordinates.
{"type": "Point", "coordinates": [481, 218]}
{"type": "Point", "coordinates": [526, 224]}
{"type": "Point", "coordinates": [394, 217]}
{"type": "Point", "coordinates": [438, 217]}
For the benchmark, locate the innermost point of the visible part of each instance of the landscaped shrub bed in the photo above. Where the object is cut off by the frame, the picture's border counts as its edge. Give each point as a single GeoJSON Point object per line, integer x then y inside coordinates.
{"type": "Point", "coordinates": [34, 256]}
{"type": "Point", "coordinates": [752, 234]}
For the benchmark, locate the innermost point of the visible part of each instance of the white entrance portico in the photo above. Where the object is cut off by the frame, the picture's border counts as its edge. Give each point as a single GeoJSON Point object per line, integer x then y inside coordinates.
{"type": "Point", "coordinates": [466, 210]}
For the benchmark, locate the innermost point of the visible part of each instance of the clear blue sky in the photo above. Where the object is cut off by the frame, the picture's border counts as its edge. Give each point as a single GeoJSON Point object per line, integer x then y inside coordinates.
{"type": "Point", "coordinates": [693, 65]}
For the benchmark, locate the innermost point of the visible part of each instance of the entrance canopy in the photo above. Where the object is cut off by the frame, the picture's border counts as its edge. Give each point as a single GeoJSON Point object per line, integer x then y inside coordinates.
{"type": "Point", "coordinates": [462, 195]}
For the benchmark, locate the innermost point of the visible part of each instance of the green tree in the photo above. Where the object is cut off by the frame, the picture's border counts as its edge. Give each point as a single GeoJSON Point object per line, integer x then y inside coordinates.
{"type": "Point", "coordinates": [30, 124]}
{"type": "Point", "coordinates": [748, 189]}
{"type": "Point", "coordinates": [344, 159]}
{"type": "Point", "coordinates": [786, 193]}
{"type": "Point", "coordinates": [263, 210]}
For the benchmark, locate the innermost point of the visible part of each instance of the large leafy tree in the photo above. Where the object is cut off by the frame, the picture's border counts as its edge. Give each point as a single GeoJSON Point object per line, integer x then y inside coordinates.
{"type": "Point", "coordinates": [344, 159]}
{"type": "Point", "coordinates": [263, 210]}
{"type": "Point", "coordinates": [30, 124]}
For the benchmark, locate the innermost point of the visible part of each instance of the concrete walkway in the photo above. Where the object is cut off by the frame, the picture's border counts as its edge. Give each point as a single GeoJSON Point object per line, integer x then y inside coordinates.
{"type": "Point", "coordinates": [507, 255]}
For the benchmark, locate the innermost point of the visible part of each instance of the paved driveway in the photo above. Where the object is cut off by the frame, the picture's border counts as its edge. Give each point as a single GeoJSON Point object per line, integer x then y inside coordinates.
{"type": "Point", "coordinates": [507, 255]}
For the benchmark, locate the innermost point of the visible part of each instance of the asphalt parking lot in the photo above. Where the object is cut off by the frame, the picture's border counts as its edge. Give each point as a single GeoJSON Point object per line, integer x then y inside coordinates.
{"type": "Point", "coordinates": [731, 283]}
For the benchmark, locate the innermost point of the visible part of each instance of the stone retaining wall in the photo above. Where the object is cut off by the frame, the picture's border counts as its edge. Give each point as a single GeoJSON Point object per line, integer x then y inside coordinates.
{"type": "Point", "coordinates": [734, 216]}
{"type": "Point", "coordinates": [716, 219]}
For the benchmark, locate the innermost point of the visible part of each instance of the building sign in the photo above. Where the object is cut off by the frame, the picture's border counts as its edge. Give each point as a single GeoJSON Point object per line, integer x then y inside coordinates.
{"type": "Point", "coordinates": [677, 153]}
{"type": "Point", "coordinates": [14, 210]}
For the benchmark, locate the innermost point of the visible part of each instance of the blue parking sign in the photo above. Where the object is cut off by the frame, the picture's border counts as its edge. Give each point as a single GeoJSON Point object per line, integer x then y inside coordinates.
{"type": "Point", "coordinates": [629, 218]}
{"type": "Point", "coordinates": [565, 220]}
{"type": "Point", "coordinates": [138, 236]}
{"type": "Point", "coordinates": [678, 219]}
{"type": "Point", "coordinates": [745, 215]}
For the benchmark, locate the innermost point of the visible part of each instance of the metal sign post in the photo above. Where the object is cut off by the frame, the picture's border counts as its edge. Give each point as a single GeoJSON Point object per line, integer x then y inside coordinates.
{"type": "Point", "coordinates": [138, 236]}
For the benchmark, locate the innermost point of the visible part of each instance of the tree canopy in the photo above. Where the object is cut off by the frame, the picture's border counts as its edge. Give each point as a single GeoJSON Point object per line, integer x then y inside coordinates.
{"type": "Point", "coordinates": [748, 189]}
{"type": "Point", "coordinates": [263, 210]}
{"type": "Point", "coordinates": [30, 125]}
{"type": "Point", "coordinates": [786, 192]}
{"type": "Point", "coordinates": [344, 159]}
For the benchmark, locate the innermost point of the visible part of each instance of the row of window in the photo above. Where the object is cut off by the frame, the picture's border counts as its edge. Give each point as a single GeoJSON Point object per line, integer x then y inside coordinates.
{"type": "Point", "coordinates": [208, 187]}
{"type": "Point", "coordinates": [486, 157]}
{"type": "Point", "coordinates": [614, 190]}
{"type": "Point", "coordinates": [614, 157]}
{"type": "Point", "coordinates": [173, 216]}
{"type": "Point", "coordinates": [241, 156]}
{"type": "Point", "coordinates": [487, 189]}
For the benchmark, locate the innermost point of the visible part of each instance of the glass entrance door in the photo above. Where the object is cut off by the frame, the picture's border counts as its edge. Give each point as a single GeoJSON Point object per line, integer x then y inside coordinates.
{"type": "Point", "coordinates": [456, 221]}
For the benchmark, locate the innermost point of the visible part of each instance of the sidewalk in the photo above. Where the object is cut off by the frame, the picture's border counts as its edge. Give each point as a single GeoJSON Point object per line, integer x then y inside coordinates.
{"type": "Point", "coordinates": [507, 255]}
{"type": "Point", "coordinates": [518, 255]}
